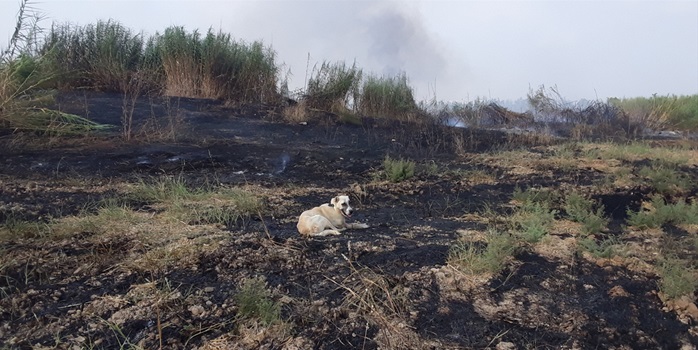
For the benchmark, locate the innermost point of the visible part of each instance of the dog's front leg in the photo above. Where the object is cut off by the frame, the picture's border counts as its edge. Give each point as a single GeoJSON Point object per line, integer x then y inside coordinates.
{"type": "Point", "coordinates": [357, 225]}
{"type": "Point", "coordinates": [328, 232]}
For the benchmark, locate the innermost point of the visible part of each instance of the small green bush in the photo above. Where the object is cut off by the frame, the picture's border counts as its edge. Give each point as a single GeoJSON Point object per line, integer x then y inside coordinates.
{"type": "Point", "coordinates": [254, 302]}
{"type": "Point", "coordinates": [581, 209]}
{"type": "Point", "coordinates": [533, 221]}
{"type": "Point", "coordinates": [397, 170]}
{"type": "Point", "coordinates": [532, 195]}
{"type": "Point", "coordinates": [666, 181]}
{"type": "Point", "coordinates": [677, 278]}
{"type": "Point", "coordinates": [663, 213]}
{"type": "Point", "coordinates": [607, 248]}
{"type": "Point", "coordinates": [472, 257]}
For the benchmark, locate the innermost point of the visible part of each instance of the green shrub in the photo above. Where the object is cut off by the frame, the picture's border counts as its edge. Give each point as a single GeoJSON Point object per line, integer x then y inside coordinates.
{"type": "Point", "coordinates": [397, 170]}
{"type": "Point", "coordinates": [676, 278]}
{"type": "Point", "coordinates": [475, 258]}
{"type": "Point", "coordinates": [666, 181]}
{"type": "Point", "coordinates": [604, 249]}
{"type": "Point", "coordinates": [581, 209]}
{"type": "Point", "coordinates": [533, 221]}
{"type": "Point", "coordinates": [663, 213]}
{"type": "Point", "coordinates": [532, 195]}
{"type": "Point", "coordinates": [254, 302]}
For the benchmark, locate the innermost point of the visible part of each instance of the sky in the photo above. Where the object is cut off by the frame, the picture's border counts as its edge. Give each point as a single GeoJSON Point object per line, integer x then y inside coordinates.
{"type": "Point", "coordinates": [450, 50]}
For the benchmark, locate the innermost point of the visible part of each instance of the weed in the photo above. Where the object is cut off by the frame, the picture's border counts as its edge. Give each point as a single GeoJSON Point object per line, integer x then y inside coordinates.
{"type": "Point", "coordinates": [606, 248]}
{"type": "Point", "coordinates": [544, 196]}
{"type": "Point", "coordinates": [677, 279]}
{"type": "Point", "coordinates": [471, 257]}
{"type": "Point", "coordinates": [229, 207]}
{"type": "Point", "coordinates": [397, 170]}
{"type": "Point", "coordinates": [165, 190]}
{"type": "Point", "coordinates": [254, 302]}
{"type": "Point", "coordinates": [581, 209]}
{"type": "Point", "coordinates": [534, 221]}
{"type": "Point", "coordinates": [662, 213]}
{"type": "Point", "coordinates": [14, 228]}
{"type": "Point", "coordinates": [666, 181]}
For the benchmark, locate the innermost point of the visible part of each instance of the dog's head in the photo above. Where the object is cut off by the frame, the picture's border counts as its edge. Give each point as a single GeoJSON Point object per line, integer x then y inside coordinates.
{"type": "Point", "coordinates": [341, 203]}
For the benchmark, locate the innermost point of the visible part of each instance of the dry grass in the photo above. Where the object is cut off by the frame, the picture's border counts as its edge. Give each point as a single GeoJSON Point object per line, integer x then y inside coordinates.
{"type": "Point", "coordinates": [297, 113]}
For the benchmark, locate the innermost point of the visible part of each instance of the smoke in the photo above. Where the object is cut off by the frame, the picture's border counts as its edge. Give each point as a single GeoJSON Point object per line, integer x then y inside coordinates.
{"type": "Point", "coordinates": [383, 37]}
{"type": "Point", "coordinates": [399, 42]}
{"type": "Point", "coordinates": [281, 163]}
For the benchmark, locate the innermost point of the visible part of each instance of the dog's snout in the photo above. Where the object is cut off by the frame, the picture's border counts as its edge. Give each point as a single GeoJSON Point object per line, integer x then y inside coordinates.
{"type": "Point", "coordinates": [350, 210]}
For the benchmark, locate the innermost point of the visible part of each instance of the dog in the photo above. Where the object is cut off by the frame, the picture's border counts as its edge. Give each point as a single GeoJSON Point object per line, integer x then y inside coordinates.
{"type": "Point", "coordinates": [328, 219]}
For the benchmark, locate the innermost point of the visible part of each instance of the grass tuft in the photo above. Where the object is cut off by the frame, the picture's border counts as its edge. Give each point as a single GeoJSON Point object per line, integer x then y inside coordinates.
{"type": "Point", "coordinates": [661, 213]}
{"type": "Point", "coordinates": [677, 278]}
{"type": "Point", "coordinates": [581, 209]}
{"type": "Point", "coordinates": [475, 258]}
{"type": "Point", "coordinates": [254, 302]}
{"type": "Point", "coordinates": [606, 248]}
{"type": "Point", "coordinates": [533, 221]}
{"type": "Point", "coordinates": [397, 170]}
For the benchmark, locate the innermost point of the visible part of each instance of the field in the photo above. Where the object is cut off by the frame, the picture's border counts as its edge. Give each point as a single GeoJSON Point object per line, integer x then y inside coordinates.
{"type": "Point", "coordinates": [184, 236]}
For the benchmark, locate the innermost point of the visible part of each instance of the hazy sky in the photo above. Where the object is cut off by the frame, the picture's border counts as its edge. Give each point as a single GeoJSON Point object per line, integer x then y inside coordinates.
{"type": "Point", "coordinates": [454, 50]}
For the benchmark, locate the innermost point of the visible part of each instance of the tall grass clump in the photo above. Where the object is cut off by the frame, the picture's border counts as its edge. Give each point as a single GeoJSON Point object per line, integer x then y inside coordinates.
{"type": "Point", "coordinates": [390, 97]}
{"type": "Point", "coordinates": [98, 55]}
{"type": "Point", "coordinates": [214, 66]}
{"type": "Point", "coordinates": [25, 73]}
{"type": "Point", "coordinates": [179, 62]}
{"type": "Point", "coordinates": [660, 112]}
{"type": "Point", "coordinates": [333, 86]}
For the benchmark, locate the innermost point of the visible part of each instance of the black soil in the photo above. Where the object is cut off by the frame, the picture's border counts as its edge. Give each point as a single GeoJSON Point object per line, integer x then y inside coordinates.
{"type": "Point", "coordinates": [560, 304]}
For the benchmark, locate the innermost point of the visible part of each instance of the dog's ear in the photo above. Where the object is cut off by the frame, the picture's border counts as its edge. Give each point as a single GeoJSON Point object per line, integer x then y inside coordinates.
{"type": "Point", "coordinates": [334, 201]}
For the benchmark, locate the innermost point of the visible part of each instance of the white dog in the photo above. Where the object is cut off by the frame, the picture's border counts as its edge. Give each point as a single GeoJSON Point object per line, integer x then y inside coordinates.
{"type": "Point", "coordinates": [328, 219]}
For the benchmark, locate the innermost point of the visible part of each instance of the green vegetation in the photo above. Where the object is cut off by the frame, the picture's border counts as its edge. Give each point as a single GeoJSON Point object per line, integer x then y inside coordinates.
{"type": "Point", "coordinates": [544, 196]}
{"type": "Point", "coordinates": [533, 221]}
{"type": "Point", "coordinates": [661, 111]}
{"type": "Point", "coordinates": [177, 63]}
{"type": "Point", "coordinates": [475, 257]}
{"type": "Point", "coordinates": [227, 206]}
{"type": "Point", "coordinates": [581, 209]}
{"type": "Point", "coordinates": [254, 302]}
{"type": "Point", "coordinates": [397, 170]}
{"type": "Point", "coordinates": [666, 181]}
{"type": "Point", "coordinates": [388, 96]}
{"type": "Point", "coordinates": [333, 86]}
{"type": "Point", "coordinates": [677, 279]}
{"type": "Point", "coordinates": [606, 248]}
{"type": "Point", "coordinates": [664, 213]}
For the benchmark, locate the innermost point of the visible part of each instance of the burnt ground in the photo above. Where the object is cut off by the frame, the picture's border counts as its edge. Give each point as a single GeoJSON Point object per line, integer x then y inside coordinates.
{"type": "Point", "coordinates": [540, 301]}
